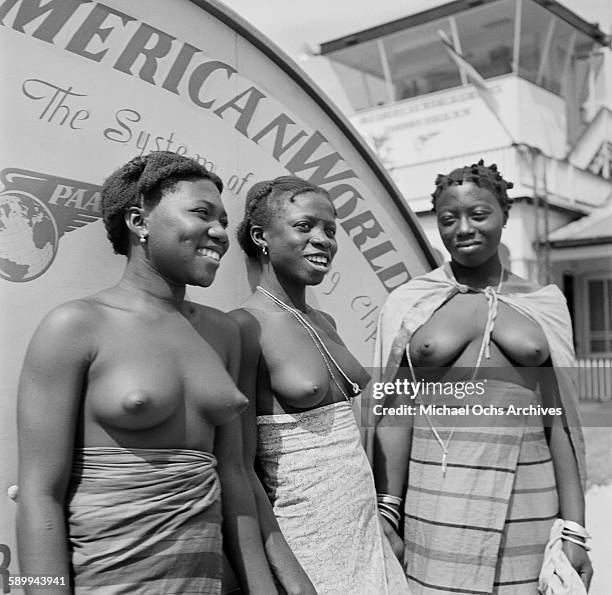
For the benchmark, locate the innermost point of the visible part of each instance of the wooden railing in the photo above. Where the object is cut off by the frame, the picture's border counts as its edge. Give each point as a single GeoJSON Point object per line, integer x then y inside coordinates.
{"type": "Point", "coordinates": [595, 379]}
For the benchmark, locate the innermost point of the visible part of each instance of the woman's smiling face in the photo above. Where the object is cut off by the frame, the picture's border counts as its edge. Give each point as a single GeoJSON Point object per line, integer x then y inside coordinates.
{"type": "Point", "coordinates": [470, 222]}
{"type": "Point", "coordinates": [301, 238]}
{"type": "Point", "coordinates": [187, 233]}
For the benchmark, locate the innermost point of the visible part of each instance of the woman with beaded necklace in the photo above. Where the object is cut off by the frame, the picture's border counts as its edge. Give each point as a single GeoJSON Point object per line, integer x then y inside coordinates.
{"type": "Point", "coordinates": [480, 492]}
{"type": "Point", "coordinates": [301, 377]}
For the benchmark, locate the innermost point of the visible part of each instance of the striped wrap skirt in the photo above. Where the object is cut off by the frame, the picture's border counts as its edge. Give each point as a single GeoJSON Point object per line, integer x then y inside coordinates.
{"type": "Point", "coordinates": [482, 525]}
{"type": "Point", "coordinates": [143, 521]}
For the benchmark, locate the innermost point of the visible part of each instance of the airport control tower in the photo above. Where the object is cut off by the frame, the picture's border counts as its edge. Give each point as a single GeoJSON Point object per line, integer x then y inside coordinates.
{"type": "Point", "coordinates": [541, 112]}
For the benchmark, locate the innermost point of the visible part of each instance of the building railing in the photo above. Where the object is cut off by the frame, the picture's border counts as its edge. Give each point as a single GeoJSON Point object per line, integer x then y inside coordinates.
{"type": "Point", "coordinates": [595, 379]}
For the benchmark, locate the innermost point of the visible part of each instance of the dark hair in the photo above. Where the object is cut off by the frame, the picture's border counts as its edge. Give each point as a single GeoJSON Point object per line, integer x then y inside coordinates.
{"type": "Point", "coordinates": [264, 200]}
{"type": "Point", "coordinates": [144, 180]}
{"type": "Point", "coordinates": [484, 176]}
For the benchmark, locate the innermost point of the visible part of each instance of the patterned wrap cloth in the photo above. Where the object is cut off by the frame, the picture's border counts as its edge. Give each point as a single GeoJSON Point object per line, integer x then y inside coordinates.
{"type": "Point", "coordinates": [321, 488]}
{"type": "Point", "coordinates": [145, 521]}
{"type": "Point", "coordinates": [483, 526]}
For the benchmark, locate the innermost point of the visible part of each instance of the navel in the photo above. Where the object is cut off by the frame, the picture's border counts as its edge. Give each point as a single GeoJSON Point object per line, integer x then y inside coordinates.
{"type": "Point", "coordinates": [136, 401]}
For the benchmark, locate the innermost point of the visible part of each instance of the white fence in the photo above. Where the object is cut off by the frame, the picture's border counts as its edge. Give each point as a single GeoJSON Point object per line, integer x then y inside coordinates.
{"type": "Point", "coordinates": [595, 379]}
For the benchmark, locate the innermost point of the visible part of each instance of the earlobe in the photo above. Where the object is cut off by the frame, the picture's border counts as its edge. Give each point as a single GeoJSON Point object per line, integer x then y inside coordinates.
{"type": "Point", "coordinates": [257, 237]}
{"type": "Point", "coordinates": [135, 221]}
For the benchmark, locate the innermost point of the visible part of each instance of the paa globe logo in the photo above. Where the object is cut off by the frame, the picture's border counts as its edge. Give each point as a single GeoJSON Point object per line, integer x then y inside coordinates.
{"type": "Point", "coordinates": [35, 211]}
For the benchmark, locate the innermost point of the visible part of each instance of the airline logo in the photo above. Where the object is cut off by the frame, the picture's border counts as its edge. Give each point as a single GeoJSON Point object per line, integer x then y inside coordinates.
{"type": "Point", "coordinates": [36, 210]}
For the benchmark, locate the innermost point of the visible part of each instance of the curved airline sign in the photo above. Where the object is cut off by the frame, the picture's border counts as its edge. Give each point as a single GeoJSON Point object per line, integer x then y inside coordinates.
{"type": "Point", "coordinates": [90, 85]}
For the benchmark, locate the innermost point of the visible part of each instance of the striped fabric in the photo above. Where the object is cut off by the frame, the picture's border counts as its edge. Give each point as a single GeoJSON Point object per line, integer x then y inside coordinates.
{"type": "Point", "coordinates": [320, 483]}
{"type": "Point", "coordinates": [145, 521]}
{"type": "Point", "coordinates": [482, 527]}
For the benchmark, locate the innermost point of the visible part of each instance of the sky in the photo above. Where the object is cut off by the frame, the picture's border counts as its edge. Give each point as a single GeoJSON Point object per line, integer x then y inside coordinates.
{"type": "Point", "coordinates": [299, 26]}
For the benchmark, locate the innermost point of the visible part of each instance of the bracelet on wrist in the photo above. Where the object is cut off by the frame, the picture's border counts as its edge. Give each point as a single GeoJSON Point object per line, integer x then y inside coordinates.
{"type": "Point", "coordinates": [575, 533]}
{"type": "Point", "coordinates": [390, 512]}
{"type": "Point", "coordinates": [577, 542]}
{"type": "Point", "coordinates": [394, 522]}
{"type": "Point", "coordinates": [389, 499]}
{"type": "Point", "coordinates": [389, 508]}
{"type": "Point", "coordinates": [574, 528]}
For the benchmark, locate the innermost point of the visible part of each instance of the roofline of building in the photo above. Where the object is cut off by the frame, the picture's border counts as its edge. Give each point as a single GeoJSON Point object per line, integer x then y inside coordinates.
{"type": "Point", "coordinates": [576, 210]}
{"type": "Point", "coordinates": [577, 242]}
{"type": "Point", "coordinates": [445, 10]}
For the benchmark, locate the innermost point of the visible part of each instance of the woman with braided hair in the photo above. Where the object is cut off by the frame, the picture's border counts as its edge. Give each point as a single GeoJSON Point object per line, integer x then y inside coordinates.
{"type": "Point", "coordinates": [483, 481]}
{"type": "Point", "coordinates": [128, 407]}
{"type": "Point", "coordinates": [299, 427]}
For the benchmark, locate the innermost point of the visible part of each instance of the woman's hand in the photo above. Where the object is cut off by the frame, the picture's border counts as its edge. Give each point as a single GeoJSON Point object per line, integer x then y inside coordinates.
{"type": "Point", "coordinates": [579, 559]}
{"type": "Point", "coordinates": [397, 543]}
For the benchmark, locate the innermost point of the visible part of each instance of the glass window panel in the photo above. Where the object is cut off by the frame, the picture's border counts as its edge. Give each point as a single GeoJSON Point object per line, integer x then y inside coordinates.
{"type": "Point", "coordinates": [557, 64]}
{"type": "Point", "coordinates": [579, 73]}
{"type": "Point", "coordinates": [595, 290]}
{"type": "Point", "coordinates": [360, 71]}
{"type": "Point", "coordinates": [575, 87]}
{"type": "Point", "coordinates": [486, 35]}
{"type": "Point", "coordinates": [608, 298]}
{"type": "Point", "coordinates": [418, 61]}
{"type": "Point", "coordinates": [534, 27]}
{"type": "Point", "coordinates": [598, 347]}
{"type": "Point", "coordinates": [543, 58]}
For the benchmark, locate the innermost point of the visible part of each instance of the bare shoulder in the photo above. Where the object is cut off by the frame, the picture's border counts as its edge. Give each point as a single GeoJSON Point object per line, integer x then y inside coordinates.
{"type": "Point", "coordinates": [68, 332]}
{"type": "Point", "coordinates": [75, 318]}
{"type": "Point", "coordinates": [245, 319]}
{"type": "Point", "coordinates": [250, 330]}
{"type": "Point", "coordinates": [253, 313]}
{"type": "Point", "coordinates": [212, 323]}
{"type": "Point", "coordinates": [327, 317]}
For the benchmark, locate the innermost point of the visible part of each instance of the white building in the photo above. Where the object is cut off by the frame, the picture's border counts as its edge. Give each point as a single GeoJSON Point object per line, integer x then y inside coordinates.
{"type": "Point", "coordinates": [551, 134]}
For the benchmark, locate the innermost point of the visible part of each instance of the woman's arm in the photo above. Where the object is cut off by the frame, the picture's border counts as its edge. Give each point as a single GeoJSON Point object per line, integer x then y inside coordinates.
{"type": "Point", "coordinates": [242, 537]}
{"type": "Point", "coordinates": [50, 394]}
{"type": "Point", "coordinates": [569, 488]}
{"type": "Point", "coordinates": [392, 444]}
{"type": "Point", "coordinates": [283, 562]}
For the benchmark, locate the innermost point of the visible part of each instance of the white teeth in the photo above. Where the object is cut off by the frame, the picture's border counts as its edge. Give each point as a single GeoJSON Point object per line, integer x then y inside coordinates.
{"type": "Point", "coordinates": [322, 260]}
{"type": "Point", "coordinates": [210, 253]}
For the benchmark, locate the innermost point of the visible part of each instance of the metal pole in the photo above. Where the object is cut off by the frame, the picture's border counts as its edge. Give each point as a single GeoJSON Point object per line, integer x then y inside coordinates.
{"type": "Point", "coordinates": [536, 212]}
{"type": "Point", "coordinates": [547, 271]}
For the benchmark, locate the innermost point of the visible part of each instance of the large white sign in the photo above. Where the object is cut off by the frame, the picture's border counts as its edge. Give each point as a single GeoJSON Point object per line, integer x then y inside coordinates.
{"type": "Point", "coordinates": [91, 85]}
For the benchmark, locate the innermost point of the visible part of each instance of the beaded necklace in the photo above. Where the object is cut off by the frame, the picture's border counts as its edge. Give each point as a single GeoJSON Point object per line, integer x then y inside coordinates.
{"type": "Point", "coordinates": [316, 339]}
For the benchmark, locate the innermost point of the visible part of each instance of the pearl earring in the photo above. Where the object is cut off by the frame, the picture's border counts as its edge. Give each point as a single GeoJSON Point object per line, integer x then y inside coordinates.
{"type": "Point", "coordinates": [264, 250]}
{"type": "Point", "coordinates": [143, 237]}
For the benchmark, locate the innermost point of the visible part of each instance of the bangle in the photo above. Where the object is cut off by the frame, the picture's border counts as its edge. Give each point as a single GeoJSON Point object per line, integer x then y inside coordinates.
{"type": "Point", "coordinates": [389, 508]}
{"type": "Point", "coordinates": [574, 528]}
{"type": "Point", "coordinates": [576, 533]}
{"type": "Point", "coordinates": [576, 541]}
{"type": "Point", "coordinates": [390, 511]}
{"type": "Point", "coordinates": [392, 520]}
{"type": "Point", "coordinates": [389, 499]}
